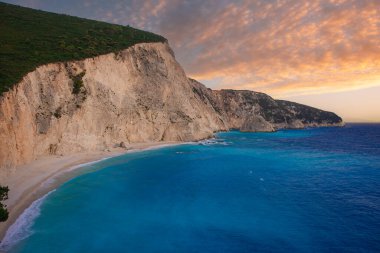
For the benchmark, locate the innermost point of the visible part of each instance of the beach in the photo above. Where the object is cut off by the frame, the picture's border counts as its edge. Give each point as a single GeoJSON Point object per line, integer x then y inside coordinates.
{"type": "Point", "coordinates": [30, 182]}
{"type": "Point", "coordinates": [289, 191]}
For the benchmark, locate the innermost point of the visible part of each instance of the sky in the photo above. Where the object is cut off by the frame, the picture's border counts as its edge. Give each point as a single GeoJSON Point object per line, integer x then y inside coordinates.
{"type": "Point", "coordinates": [324, 53]}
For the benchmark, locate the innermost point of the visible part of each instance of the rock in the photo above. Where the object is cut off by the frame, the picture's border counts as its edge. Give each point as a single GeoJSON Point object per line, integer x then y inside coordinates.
{"type": "Point", "coordinates": [257, 112]}
{"type": "Point", "coordinates": [140, 94]}
{"type": "Point", "coordinates": [122, 145]}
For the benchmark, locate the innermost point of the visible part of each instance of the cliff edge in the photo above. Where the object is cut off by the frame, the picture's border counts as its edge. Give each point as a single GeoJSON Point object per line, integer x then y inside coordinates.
{"type": "Point", "coordinates": [140, 94]}
{"type": "Point", "coordinates": [257, 112]}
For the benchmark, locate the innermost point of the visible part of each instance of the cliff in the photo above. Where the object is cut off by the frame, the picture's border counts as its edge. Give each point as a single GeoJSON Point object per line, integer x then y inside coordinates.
{"type": "Point", "coordinates": [32, 38]}
{"type": "Point", "coordinates": [257, 112]}
{"type": "Point", "coordinates": [140, 94]}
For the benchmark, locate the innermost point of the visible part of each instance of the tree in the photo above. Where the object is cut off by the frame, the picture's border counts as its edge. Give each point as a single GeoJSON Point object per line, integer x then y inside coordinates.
{"type": "Point", "coordinates": [3, 208]}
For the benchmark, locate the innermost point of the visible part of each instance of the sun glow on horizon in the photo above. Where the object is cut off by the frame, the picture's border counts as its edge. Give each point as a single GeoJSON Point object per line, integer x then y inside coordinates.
{"type": "Point", "coordinates": [286, 48]}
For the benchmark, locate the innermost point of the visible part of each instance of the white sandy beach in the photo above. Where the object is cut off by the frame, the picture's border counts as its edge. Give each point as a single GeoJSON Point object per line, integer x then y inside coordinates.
{"type": "Point", "coordinates": [31, 181]}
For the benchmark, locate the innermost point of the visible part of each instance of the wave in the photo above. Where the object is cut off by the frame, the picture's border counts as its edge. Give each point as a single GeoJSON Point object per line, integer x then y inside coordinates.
{"type": "Point", "coordinates": [90, 163]}
{"type": "Point", "coordinates": [154, 147]}
{"type": "Point", "coordinates": [214, 141]}
{"type": "Point", "coordinates": [22, 227]}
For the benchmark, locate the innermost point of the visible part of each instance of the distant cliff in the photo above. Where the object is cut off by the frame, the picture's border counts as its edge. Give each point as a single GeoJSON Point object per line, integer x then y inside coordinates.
{"type": "Point", "coordinates": [140, 94]}
{"type": "Point", "coordinates": [257, 112]}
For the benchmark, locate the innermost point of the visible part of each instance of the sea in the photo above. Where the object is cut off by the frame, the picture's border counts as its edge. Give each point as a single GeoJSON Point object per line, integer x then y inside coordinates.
{"type": "Point", "coordinates": [311, 190]}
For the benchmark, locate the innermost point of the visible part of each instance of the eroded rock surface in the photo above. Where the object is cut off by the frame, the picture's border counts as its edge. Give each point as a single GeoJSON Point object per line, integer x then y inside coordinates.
{"type": "Point", "coordinates": [138, 95]}
{"type": "Point", "coordinates": [257, 112]}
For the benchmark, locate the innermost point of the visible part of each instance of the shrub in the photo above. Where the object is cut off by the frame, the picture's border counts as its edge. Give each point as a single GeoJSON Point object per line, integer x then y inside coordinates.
{"type": "Point", "coordinates": [77, 82]}
{"type": "Point", "coordinates": [57, 113]}
{"type": "Point", "coordinates": [3, 208]}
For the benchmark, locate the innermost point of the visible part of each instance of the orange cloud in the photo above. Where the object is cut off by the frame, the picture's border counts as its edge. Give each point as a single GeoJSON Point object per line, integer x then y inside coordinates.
{"type": "Point", "coordinates": [316, 51]}
{"type": "Point", "coordinates": [285, 47]}
{"type": "Point", "coordinates": [277, 46]}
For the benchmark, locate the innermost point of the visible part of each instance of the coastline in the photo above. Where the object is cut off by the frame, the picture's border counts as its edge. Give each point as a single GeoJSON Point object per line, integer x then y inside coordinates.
{"type": "Point", "coordinates": [30, 182]}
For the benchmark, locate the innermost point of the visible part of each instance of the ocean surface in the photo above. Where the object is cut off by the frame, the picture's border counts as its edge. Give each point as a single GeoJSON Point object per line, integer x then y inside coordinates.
{"type": "Point", "coordinates": [313, 190]}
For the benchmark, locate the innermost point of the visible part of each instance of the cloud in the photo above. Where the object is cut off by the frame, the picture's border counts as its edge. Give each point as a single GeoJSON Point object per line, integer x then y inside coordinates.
{"type": "Point", "coordinates": [283, 47]}
{"type": "Point", "coordinates": [279, 47]}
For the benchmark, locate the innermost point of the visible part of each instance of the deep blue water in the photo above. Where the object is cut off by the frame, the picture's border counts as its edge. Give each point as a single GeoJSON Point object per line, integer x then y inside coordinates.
{"type": "Point", "coordinates": [313, 190]}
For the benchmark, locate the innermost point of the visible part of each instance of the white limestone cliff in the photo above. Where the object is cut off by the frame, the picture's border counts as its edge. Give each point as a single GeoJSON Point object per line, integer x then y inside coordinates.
{"type": "Point", "coordinates": [140, 94]}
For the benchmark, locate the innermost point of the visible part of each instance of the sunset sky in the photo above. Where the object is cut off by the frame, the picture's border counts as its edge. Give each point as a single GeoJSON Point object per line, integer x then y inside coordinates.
{"type": "Point", "coordinates": [324, 53]}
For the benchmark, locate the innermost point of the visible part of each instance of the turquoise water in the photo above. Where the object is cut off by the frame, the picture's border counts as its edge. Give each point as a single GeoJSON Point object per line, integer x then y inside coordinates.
{"type": "Point", "coordinates": [313, 190]}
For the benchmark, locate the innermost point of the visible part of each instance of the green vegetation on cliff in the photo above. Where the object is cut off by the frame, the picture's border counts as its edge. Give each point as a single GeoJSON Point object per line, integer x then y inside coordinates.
{"type": "Point", "coordinates": [30, 38]}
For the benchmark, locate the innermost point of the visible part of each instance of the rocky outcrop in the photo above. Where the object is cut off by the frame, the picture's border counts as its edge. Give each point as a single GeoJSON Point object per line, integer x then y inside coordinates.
{"type": "Point", "coordinates": [140, 94]}
{"type": "Point", "coordinates": [257, 112]}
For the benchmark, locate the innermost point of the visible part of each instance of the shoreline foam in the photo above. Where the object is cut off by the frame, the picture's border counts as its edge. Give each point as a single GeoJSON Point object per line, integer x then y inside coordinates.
{"type": "Point", "coordinates": [32, 182]}
{"type": "Point", "coordinates": [21, 228]}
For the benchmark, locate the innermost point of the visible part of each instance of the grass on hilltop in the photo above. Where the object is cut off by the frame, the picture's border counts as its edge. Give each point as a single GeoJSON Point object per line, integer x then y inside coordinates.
{"type": "Point", "coordinates": [30, 38]}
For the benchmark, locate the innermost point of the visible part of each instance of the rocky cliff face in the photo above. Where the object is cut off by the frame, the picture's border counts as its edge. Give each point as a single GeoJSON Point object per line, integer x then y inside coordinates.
{"type": "Point", "coordinates": [138, 95]}
{"type": "Point", "coordinates": [257, 112]}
